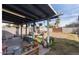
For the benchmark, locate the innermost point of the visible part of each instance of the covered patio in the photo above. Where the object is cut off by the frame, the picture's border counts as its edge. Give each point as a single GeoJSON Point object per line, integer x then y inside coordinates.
{"type": "Point", "coordinates": [21, 14]}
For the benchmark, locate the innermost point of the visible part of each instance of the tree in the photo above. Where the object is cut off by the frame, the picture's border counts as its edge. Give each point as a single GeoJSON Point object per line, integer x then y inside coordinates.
{"type": "Point", "coordinates": [57, 22]}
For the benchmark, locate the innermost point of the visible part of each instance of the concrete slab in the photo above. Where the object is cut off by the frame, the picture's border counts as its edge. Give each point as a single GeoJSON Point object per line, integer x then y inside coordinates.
{"type": "Point", "coordinates": [42, 50]}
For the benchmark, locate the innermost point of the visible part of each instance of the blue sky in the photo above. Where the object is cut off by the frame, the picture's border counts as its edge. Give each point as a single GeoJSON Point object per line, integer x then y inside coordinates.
{"type": "Point", "coordinates": [70, 13]}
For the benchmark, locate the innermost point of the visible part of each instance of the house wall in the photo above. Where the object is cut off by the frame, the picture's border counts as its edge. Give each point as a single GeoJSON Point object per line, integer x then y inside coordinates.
{"type": "Point", "coordinates": [11, 31]}
{"type": "Point", "coordinates": [69, 30]}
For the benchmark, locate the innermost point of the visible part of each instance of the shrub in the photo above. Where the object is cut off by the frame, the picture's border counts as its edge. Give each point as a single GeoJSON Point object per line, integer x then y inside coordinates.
{"type": "Point", "coordinates": [52, 42]}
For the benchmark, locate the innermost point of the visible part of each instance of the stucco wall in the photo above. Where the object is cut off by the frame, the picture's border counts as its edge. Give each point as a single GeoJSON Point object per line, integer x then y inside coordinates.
{"type": "Point", "coordinates": [69, 30]}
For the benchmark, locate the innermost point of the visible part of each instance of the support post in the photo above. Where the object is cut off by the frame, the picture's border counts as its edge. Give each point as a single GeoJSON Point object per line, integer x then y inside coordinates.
{"type": "Point", "coordinates": [33, 30]}
{"type": "Point", "coordinates": [48, 36]}
{"type": "Point", "coordinates": [17, 30]}
{"type": "Point", "coordinates": [21, 31]}
{"type": "Point", "coordinates": [26, 29]}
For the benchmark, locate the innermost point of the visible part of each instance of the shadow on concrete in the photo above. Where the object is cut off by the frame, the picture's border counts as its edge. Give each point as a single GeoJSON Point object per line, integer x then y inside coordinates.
{"type": "Point", "coordinates": [6, 35]}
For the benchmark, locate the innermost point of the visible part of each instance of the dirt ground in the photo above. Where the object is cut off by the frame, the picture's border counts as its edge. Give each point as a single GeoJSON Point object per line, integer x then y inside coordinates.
{"type": "Point", "coordinates": [65, 36]}
{"type": "Point", "coordinates": [66, 44]}
{"type": "Point", "coordinates": [64, 47]}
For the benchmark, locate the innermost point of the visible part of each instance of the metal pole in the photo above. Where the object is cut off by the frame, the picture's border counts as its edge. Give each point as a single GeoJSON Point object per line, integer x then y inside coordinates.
{"type": "Point", "coordinates": [21, 31]}
{"type": "Point", "coordinates": [33, 30]}
{"type": "Point", "coordinates": [17, 30]}
{"type": "Point", "coordinates": [48, 36]}
{"type": "Point", "coordinates": [26, 29]}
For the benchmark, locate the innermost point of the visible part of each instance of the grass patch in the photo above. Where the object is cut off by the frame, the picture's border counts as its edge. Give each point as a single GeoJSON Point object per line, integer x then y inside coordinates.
{"type": "Point", "coordinates": [64, 47]}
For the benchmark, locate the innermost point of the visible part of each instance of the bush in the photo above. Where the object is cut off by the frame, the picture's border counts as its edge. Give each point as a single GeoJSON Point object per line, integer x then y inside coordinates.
{"type": "Point", "coordinates": [52, 42]}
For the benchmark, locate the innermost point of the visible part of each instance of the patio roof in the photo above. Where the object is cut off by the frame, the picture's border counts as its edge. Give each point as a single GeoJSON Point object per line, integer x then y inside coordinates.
{"type": "Point", "coordinates": [27, 13]}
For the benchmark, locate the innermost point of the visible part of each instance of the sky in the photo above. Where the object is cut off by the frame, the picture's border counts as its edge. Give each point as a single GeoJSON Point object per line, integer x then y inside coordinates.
{"type": "Point", "coordinates": [70, 13]}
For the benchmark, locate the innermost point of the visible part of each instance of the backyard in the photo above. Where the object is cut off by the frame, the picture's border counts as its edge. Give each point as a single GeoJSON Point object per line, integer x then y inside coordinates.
{"type": "Point", "coordinates": [64, 47]}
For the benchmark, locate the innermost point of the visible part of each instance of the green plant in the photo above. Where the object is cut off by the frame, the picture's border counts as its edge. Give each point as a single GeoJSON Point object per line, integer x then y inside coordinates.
{"type": "Point", "coordinates": [40, 39]}
{"type": "Point", "coordinates": [52, 42]}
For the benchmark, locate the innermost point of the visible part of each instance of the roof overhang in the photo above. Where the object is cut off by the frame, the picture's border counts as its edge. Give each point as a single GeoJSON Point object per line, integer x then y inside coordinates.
{"type": "Point", "coordinates": [27, 13]}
